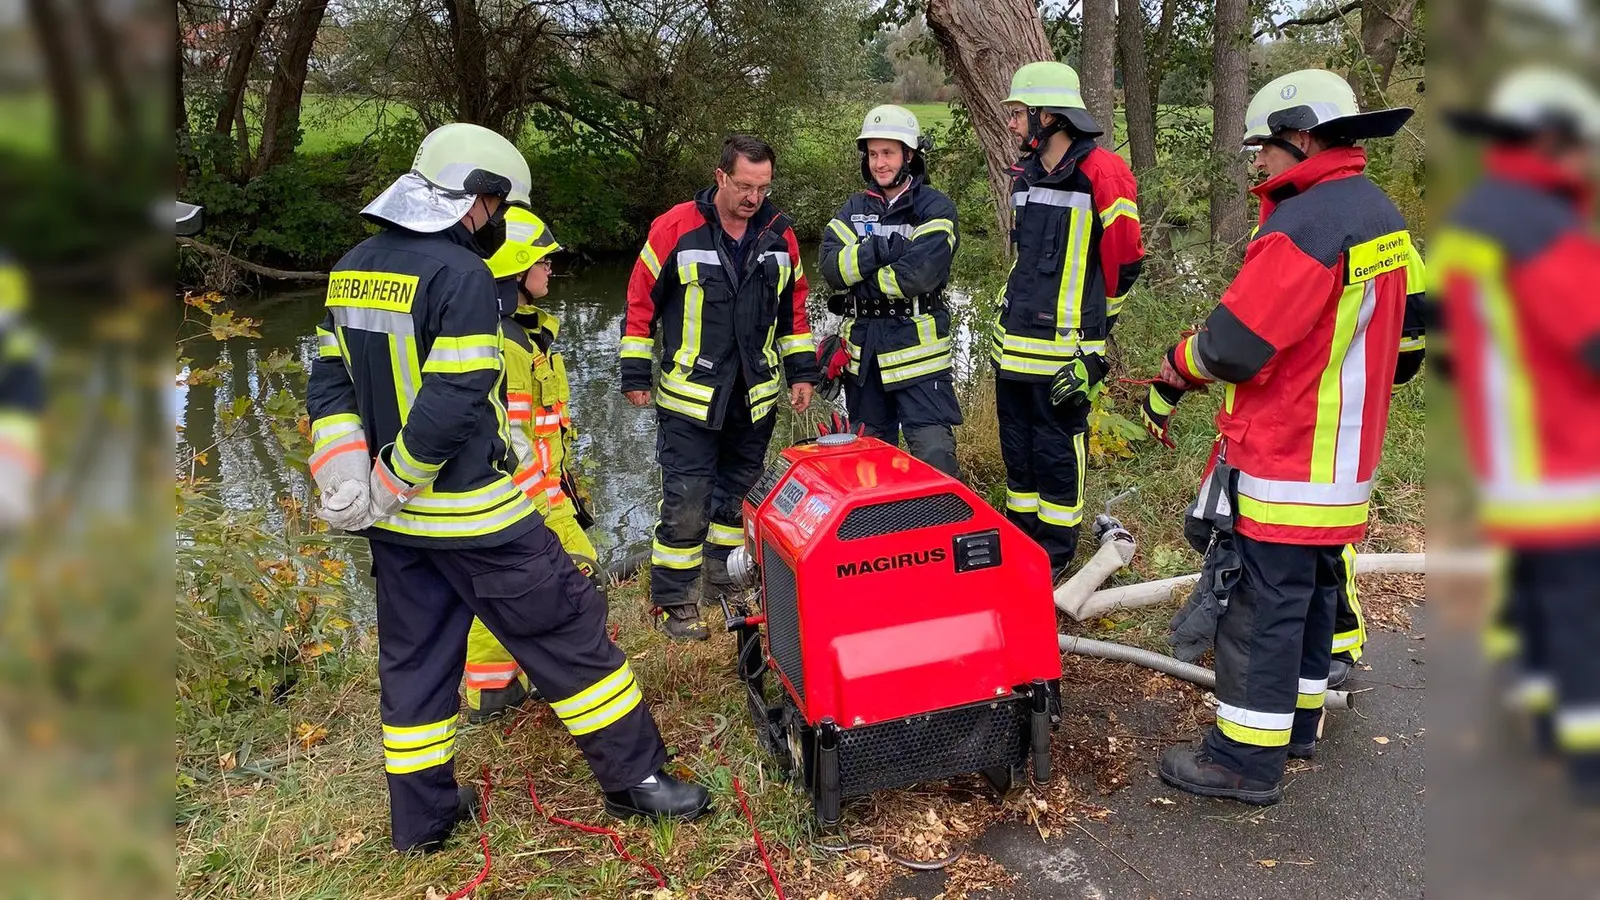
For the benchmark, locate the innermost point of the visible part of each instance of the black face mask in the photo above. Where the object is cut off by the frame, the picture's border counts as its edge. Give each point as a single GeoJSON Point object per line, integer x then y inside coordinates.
{"type": "Point", "coordinates": [492, 234]}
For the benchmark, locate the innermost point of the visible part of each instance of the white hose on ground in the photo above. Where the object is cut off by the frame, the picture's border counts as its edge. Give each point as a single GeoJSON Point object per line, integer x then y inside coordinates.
{"type": "Point", "coordinates": [1136, 595]}
{"type": "Point", "coordinates": [1162, 663]}
{"type": "Point", "coordinates": [1112, 555]}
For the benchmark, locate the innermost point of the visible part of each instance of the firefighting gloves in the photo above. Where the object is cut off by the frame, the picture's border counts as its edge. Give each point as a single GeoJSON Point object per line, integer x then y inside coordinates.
{"type": "Point", "coordinates": [838, 424]}
{"type": "Point", "coordinates": [17, 481]}
{"type": "Point", "coordinates": [346, 494]}
{"type": "Point", "coordinates": [1193, 630]}
{"type": "Point", "coordinates": [389, 490]}
{"type": "Point", "coordinates": [1159, 404]}
{"type": "Point", "coordinates": [833, 357]}
{"type": "Point", "coordinates": [1080, 381]}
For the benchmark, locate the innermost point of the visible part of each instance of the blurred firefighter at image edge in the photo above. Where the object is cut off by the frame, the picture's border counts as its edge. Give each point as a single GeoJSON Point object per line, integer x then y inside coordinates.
{"type": "Point", "coordinates": [720, 279]}
{"type": "Point", "coordinates": [1306, 341]}
{"type": "Point", "coordinates": [1075, 229]}
{"type": "Point", "coordinates": [1517, 268]}
{"type": "Point", "coordinates": [543, 437]}
{"type": "Point", "coordinates": [886, 253]}
{"type": "Point", "coordinates": [412, 449]}
{"type": "Point", "coordinates": [21, 401]}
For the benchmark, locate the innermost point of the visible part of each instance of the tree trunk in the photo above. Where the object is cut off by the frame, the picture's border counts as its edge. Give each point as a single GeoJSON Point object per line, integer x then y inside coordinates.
{"type": "Point", "coordinates": [1139, 103]}
{"type": "Point", "coordinates": [236, 78]}
{"type": "Point", "coordinates": [1096, 54]}
{"type": "Point", "coordinates": [280, 123]}
{"type": "Point", "coordinates": [984, 43]}
{"type": "Point", "coordinates": [1383, 27]}
{"type": "Point", "coordinates": [471, 62]}
{"type": "Point", "coordinates": [65, 92]}
{"type": "Point", "coordinates": [107, 55]}
{"type": "Point", "coordinates": [1230, 72]}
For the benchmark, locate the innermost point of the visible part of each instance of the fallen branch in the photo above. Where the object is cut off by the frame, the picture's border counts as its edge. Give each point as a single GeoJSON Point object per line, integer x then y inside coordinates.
{"type": "Point", "coordinates": [248, 266]}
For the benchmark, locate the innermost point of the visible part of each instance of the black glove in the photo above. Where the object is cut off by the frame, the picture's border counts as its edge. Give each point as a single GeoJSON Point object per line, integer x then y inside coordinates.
{"type": "Point", "coordinates": [1079, 381]}
{"type": "Point", "coordinates": [1193, 630]}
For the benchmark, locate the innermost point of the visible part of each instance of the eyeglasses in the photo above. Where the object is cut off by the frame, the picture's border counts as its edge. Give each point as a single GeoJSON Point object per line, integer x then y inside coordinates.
{"type": "Point", "coordinates": [1013, 113]}
{"type": "Point", "coordinates": [745, 190]}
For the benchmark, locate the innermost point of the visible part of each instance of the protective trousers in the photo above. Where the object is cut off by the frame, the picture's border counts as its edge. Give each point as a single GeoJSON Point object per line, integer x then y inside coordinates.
{"type": "Point", "coordinates": [705, 474]}
{"type": "Point", "coordinates": [1349, 626]}
{"type": "Point", "coordinates": [1042, 446]}
{"type": "Point", "coordinates": [1555, 594]}
{"type": "Point", "coordinates": [1273, 651]}
{"type": "Point", "coordinates": [924, 412]}
{"type": "Point", "coordinates": [490, 666]}
{"type": "Point", "coordinates": [537, 603]}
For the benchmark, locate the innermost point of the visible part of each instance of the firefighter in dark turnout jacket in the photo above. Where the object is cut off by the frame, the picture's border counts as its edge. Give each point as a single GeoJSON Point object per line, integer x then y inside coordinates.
{"type": "Point", "coordinates": [721, 282]}
{"type": "Point", "coordinates": [412, 450]}
{"type": "Point", "coordinates": [1516, 265]}
{"type": "Point", "coordinates": [1306, 340]}
{"type": "Point", "coordinates": [887, 252]}
{"type": "Point", "coordinates": [1076, 232]}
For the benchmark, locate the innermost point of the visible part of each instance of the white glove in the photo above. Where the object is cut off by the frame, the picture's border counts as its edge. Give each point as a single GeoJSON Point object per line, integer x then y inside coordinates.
{"type": "Point", "coordinates": [388, 491]}
{"type": "Point", "coordinates": [16, 495]}
{"type": "Point", "coordinates": [346, 500]}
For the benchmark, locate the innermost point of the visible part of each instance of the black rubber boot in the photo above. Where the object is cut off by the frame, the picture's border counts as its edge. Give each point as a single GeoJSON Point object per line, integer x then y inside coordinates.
{"type": "Point", "coordinates": [467, 805]}
{"type": "Point", "coordinates": [683, 623]}
{"type": "Point", "coordinates": [666, 798]}
{"type": "Point", "coordinates": [715, 583]}
{"type": "Point", "coordinates": [1191, 769]}
{"type": "Point", "coordinates": [1339, 670]}
{"type": "Point", "coordinates": [492, 704]}
{"type": "Point", "coordinates": [1308, 750]}
{"type": "Point", "coordinates": [1060, 574]}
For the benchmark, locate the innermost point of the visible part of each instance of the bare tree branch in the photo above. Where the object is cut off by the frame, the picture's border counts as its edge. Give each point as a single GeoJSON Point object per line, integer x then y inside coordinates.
{"type": "Point", "coordinates": [1323, 19]}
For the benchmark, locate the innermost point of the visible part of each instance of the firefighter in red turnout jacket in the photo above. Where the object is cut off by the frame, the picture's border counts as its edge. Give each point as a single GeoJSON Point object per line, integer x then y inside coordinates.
{"type": "Point", "coordinates": [720, 281]}
{"type": "Point", "coordinates": [887, 252]}
{"type": "Point", "coordinates": [411, 448]}
{"type": "Point", "coordinates": [1078, 250]}
{"type": "Point", "coordinates": [1517, 265]}
{"type": "Point", "coordinates": [1305, 340]}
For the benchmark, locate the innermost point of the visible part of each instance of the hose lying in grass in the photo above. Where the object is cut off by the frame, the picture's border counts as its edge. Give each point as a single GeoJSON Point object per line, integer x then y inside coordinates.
{"type": "Point", "coordinates": [1163, 663]}
{"type": "Point", "coordinates": [1133, 596]}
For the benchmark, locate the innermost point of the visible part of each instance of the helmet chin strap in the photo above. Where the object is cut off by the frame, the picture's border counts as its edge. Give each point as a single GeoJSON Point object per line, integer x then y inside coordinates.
{"type": "Point", "coordinates": [1039, 133]}
{"type": "Point", "coordinates": [1287, 147]}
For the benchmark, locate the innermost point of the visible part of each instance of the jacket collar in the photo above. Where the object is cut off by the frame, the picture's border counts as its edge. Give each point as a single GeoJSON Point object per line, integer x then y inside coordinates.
{"type": "Point", "coordinates": [1031, 167]}
{"type": "Point", "coordinates": [906, 199]}
{"type": "Point", "coordinates": [1329, 165]}
{"type": "Point", "coordinates": [1531, 168]}
{"type": "Point", "coordinates": [765, 219]}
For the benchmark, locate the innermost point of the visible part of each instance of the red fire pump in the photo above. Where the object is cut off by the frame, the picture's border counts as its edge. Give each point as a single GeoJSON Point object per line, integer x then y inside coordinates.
{"type": "Point", "coordinates": [910, 627]}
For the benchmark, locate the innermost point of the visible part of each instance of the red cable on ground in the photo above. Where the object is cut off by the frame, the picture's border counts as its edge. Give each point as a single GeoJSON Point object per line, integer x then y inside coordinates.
{"type": "Point", "coordinates": [772, 874]}
{"type": "Point", "coordinates": [744, 805]}
{"type": "Point", "coordinates": [616, 839]}
{"type": "Point", "coordinates": [483, 841]}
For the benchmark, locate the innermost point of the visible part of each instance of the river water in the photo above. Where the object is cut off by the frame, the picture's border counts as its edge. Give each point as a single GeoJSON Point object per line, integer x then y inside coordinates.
{"type": "Point", "coordinates": [616, 444]}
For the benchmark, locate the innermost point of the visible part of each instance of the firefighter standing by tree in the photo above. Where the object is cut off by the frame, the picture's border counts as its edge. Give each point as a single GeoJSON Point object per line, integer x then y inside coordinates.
{"type": "Point", "coordinates": [542, 435]}
{"type": "Point", "coordinates": [1306, 340]}
{"type": "Point", "coordinates": [21, 401]}
{"type": "Point", "coordinates": [888, 250]}
{"type": "Point", "coordinates": [721, 278]}
{"type": "Point", "coordinates": [1517, 266]}
{"type": "Point", "coordinates": [1078, 250]}
{"type": "Point", "coordinates": [412, 449]}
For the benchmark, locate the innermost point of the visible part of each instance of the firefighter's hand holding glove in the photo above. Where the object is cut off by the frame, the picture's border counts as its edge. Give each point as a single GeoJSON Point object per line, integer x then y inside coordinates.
{"type": "Point", "coordinates": [1078, 382]}
{"type": "Point", "coordinates": [1193, 630]}
{"type": "Point", "coordinates": [344, 481]}
{"type": "Point", "coordinates": [390, 492]}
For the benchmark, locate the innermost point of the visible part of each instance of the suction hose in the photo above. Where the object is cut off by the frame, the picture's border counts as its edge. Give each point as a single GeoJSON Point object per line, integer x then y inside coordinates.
{"type": "Point", "coordinates": [1176, 668]}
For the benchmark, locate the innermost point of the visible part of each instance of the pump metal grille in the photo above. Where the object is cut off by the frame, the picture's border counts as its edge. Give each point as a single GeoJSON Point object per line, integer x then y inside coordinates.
{"type": "Point", "coordinates": [782, 602]}
{"type": "Point", "coordinates": [931, 746]}
{"type": "Point", "coordinates": [769, 479]}
{"type": "Point", "coordinates": [904, 515]}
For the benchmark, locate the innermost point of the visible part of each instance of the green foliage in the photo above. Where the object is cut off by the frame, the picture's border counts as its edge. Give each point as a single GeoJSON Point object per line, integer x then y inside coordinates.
{"type": "Point", "coordinates": [261, 593]}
